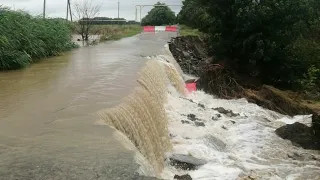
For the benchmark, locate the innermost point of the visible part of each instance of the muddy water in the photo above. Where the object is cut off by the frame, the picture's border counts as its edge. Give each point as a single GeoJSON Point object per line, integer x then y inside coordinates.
{"type": "Point", "coordinates": [48, 123]}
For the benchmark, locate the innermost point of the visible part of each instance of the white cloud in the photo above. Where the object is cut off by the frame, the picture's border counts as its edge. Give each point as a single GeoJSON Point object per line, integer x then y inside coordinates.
{"type": "Point", "coordinates": [109, 8]}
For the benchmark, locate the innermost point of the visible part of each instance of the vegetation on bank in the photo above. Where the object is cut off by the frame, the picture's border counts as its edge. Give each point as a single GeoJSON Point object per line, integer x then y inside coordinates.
{"type": "Point", "coordinates": [115, 32]}
{"type": "Point", "coordinates": [188, 31]}
{"type": "Point", "coordinates": [24, 39]}
{"type": "Point", "coordinates": [273, 42]}
{"type": "Point", "coordinates": [107, 28]}
{"type": "Point", "coordinates": [120, 31]}
{"type": "Point", "coordinates": [276, 41]}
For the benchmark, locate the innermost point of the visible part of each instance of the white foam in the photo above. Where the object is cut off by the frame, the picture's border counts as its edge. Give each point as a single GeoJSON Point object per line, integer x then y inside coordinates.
{"type": "Point", "coordinates": [251, 144]}
{"type": "Point", "coordinates": [304, 119]}
{"type": "Point", "coordinates": [232, 146]}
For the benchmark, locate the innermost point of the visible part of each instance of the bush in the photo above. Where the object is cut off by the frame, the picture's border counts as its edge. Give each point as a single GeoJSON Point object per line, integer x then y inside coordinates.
{"type": "Point", "coordinates": [194, 15]}
{"type": "Point", "coordinates": [24, 39]}
{"type": "Point", "coordinates": [277, 41]}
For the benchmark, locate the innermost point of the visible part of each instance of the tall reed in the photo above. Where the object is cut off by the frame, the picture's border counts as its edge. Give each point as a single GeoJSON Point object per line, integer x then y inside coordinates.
{"type": "Point", "coordinates": [25, 39]}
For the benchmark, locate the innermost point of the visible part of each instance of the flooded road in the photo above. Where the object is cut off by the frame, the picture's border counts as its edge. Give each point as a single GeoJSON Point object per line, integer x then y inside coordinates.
{"type": "Point", "coordinates": [49, 128]}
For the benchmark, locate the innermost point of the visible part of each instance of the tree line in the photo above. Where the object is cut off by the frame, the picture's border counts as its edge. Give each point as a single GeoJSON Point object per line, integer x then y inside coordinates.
{"type": "Point", "coordinates": [107, 21]}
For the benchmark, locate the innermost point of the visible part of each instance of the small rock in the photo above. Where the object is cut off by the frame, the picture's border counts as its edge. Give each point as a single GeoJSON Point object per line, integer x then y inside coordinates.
{"type": "Point", "coordinates": [192, 117]}
{"type": "Point", "coordinates": [201, 105]}
{"type": "Point", "coordinates": [186, 54]}
{"type": "Point", "coordinates": [302, 157]}
{"type": "Point", "coordinates": [233, 122]}
{"type": "Point", "coordinates": [185, 122]}
{"type": "Point", "coordinates": [185, 162]}
{"type": "Point", "coordinates": [221, 110]}
{"type": "Point", "coordinates": [183, 177]}
{"type": "Point", "coordinates": [226, 112]}
{"type": "Point", "coordinates": [223, 127]}
{"type": "Point", "coordinates": [216, 143]}
{"type": "Point", "coordinates": [197, 123]}
{"type": "Point", "coordinates": [216, 117]}
{"type": "Point", "coordinates": [248, 178]}
{"type": "Point", "coordinates": [316, 124]}
{"type": "Point", "coordinates": [172, 136]}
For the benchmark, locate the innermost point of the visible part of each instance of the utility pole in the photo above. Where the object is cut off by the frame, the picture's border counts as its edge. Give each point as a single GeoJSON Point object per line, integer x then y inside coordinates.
{"type": "Point", "coordinates": [70, 9]}
{"type": "Point", "coordinates": [44, 9]}
{"type": "Point", "coordinates": [118, 9]}
{"type": "Point", "coordinates": [67, 10]}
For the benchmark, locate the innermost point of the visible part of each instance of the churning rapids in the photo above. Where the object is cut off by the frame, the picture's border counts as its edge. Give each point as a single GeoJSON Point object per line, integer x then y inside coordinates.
{"type": "Point", "coordinates": [50, 129]}
{"type": "Point", "coordinates": [152, 122]}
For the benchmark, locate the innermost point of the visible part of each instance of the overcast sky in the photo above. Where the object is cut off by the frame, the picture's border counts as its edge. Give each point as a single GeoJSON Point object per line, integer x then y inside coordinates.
{"type": "Point", "coordinates": [109, 8]}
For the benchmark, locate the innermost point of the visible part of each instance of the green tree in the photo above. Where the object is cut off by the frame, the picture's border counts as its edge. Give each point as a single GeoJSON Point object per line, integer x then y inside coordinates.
{"type": "Point", "coordinates": [277, 41]}
{"type": "Point", "coordinates": [159, 15]}
{"type": "Point", "coordinates": [194, 15]}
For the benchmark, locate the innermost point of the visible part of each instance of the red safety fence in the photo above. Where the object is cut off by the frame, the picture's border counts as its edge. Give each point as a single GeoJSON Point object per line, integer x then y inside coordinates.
{"type": "Point", "coordinates": [148, 29]}
{"type": "Point", "coordinates": [160, 28]}
{"type": "Point", "coordinates": [171, 28]}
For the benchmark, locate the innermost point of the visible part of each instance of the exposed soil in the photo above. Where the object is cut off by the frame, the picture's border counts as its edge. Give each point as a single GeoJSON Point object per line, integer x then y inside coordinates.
{"type": "Point", "coordinates": [221, 80]}
{"type": "Point", "coordinates": [190, 53]}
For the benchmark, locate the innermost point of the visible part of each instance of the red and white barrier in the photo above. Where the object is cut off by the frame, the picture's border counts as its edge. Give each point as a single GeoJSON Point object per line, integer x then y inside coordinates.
{"type": "Point", "coordinates": [160, 29]}
{"type": "Point", "coordinates": [171, 29]}
{"type": "Point", "coordinates": [148, 29]}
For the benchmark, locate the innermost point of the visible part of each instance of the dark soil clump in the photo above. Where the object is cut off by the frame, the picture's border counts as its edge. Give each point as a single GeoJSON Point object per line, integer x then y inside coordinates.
{"type": "Point", "coordinates": [185, 162]}
{"type": "Point", "coordinates": [190, 52]}
{"type": "Point", "coordinates": [183, 177]}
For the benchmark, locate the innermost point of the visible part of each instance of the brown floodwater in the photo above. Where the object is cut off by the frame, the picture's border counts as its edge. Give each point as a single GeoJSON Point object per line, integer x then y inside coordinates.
{"type": "Point", "coordinates": [49, 127]}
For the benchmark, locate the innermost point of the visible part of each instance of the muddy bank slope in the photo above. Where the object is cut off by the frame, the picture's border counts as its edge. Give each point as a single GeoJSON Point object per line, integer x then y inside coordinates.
{"type": "Point", "coordinates": [220, 80]}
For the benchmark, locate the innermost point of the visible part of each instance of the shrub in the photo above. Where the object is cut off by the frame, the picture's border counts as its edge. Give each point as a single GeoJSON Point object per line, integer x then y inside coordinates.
{"type": "Point", "coordinates": [277, 41]}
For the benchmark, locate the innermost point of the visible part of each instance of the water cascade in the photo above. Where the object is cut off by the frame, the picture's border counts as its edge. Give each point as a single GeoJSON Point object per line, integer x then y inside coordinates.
{"type": "Point", "coordinates": [238, 144]}
{"type": "Point", "coordinates": [142, 116]}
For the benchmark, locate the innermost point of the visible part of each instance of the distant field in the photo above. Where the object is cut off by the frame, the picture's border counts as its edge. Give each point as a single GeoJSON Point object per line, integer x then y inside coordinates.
{"type": "Point", "coordinates": [114, 32]}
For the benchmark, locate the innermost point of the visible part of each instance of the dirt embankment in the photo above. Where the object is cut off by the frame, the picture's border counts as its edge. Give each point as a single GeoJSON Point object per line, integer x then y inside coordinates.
{"type": "Point", "coordinates": [219, 79]}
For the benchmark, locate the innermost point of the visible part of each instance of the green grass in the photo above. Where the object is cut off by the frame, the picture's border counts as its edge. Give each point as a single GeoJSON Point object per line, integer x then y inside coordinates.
{"type": "Point", "coordinates": [187, 31]}
{"type": "Point", "coordinates": [114, 32]}
{"type": "Point", "coordinates": [25, 39]}
{"type": "Point", "coordinates": [123, 31]}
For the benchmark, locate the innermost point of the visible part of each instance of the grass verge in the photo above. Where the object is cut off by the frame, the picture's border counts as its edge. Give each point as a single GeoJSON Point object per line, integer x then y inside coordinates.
{"type": "Point", "coordinates": [115, 32]}
{"type": "Point", "coordinates": [188, 31]}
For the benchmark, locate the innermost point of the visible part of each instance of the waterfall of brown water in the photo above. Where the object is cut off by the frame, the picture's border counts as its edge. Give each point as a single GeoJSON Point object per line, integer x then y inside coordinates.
{"type": "Point", "coordinates": [142, 117]}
